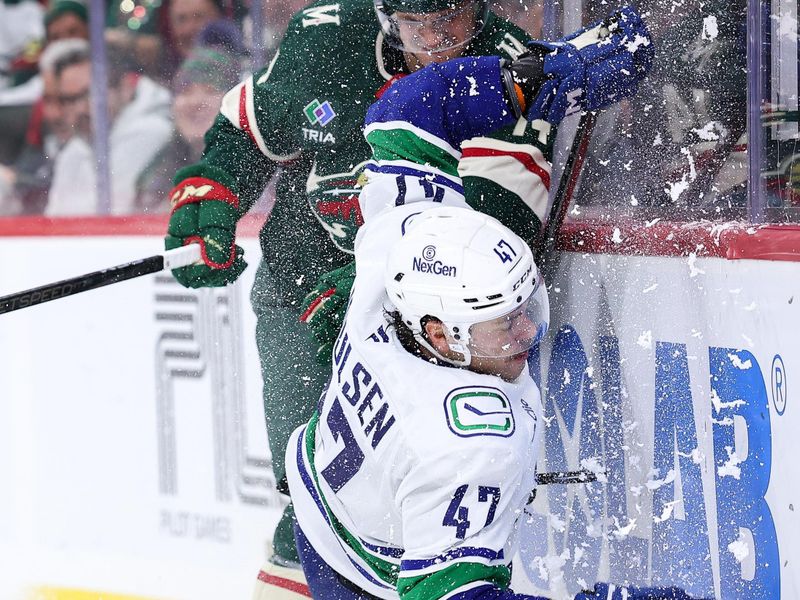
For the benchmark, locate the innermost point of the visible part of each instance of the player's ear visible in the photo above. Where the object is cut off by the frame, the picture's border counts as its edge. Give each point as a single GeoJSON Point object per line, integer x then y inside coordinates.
{"type": "Point", "coordinates": [435, 332]}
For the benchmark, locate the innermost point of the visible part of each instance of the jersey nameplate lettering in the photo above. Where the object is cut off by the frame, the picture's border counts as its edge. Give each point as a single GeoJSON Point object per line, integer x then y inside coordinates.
{"type": "Point", "coordinates": [478, 410]}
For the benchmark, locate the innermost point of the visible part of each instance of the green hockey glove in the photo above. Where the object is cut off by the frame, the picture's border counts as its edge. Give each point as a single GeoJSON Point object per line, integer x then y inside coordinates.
{"type": "Point", "coordinates": [324, 308]}
{"type": "Point", "coordinates": [205, 212]}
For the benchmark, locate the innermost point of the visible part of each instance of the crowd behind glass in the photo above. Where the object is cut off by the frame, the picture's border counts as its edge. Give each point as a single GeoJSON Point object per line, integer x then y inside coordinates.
{"type": "Point", "coordinates": [678, 148]}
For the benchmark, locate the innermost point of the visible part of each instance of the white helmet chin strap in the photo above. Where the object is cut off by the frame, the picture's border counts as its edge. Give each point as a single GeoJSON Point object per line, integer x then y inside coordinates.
{"type": "Point", "coordinates": [455, 347]}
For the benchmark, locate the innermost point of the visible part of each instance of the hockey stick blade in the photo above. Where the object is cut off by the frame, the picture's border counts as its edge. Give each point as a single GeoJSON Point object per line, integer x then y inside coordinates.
{"type": "Point", "coordinates": [171, 259]}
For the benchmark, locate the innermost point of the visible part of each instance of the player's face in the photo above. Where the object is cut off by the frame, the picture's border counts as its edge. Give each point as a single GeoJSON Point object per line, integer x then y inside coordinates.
{"type": "Point", "coordinates": [439, 36]}
{"type": "Point", "coordinates": [501, 346]}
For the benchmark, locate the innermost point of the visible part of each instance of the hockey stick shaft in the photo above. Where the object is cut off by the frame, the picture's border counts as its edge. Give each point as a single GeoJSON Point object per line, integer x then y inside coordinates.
{"type": "Point", "coordinates": [566, 188]}
{"type": "Point", "coordinates": [171, 259]}
{"type": "Point", "coordinates": [553, 477]}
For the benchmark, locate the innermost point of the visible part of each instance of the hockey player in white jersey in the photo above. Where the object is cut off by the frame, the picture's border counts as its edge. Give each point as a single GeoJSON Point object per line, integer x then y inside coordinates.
{"type": "Point", "coordinates": [409, 480]}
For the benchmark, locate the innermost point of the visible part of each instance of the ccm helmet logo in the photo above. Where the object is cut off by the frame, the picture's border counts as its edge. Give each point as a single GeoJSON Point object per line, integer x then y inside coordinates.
{"type": "Point", "coordinates": [522, 279]}
{"type": "Point", "coordinates": [427, 264]}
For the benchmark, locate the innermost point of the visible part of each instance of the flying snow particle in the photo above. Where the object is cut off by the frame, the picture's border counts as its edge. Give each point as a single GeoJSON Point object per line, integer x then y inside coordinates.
{"type": "Point", "coordinates": [738, 363]}
{"type": "Point", "coordinates": [667, 512]}
{"type": "Point", "coordinates": [654, 484]}
{"type": "Point", "coordinates": [473, 87]}
{"type": "Point", "coordinates": [693, 270]}
{"type": "Point", "coordinates": [578, 555]}
{"type": "Point", "coordinates": [650, 288]}
{"type": "Point", "coordinates": [646, 339]}
{"type": "Point", "coordinates": [787, 26]}
{"type": "Point", "coordinates": [567, 378]}
{"type": "Point", "coordinates": [638, 41]}
{"type": "Point", "coordinates": [558, 524]}
{"type": "Point", "coordinates": [593, 465]}
{"type": "Point", "coordinates": [550, 567]}
{"type": "Point", "coordinates": [676, 188]}
{"type": "Point", "coordinates": [710, 28]}
{"type": "Point", "coordinates": [622, 532]}
{"type": "Point", "coordinates": [695, 455]}
{"type": "Point", "coordinates": [617, 236]}
{"type": "Point", "coordinates": [731, 466]}
{"type": "Point", "coordinates": [718, 404]}
{"type": "Point", "coordinates": [739, 549]}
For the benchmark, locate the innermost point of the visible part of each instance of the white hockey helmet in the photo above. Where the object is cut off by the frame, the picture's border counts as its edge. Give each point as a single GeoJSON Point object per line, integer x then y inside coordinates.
{"type": "Point", "coordinates": [465, 269]}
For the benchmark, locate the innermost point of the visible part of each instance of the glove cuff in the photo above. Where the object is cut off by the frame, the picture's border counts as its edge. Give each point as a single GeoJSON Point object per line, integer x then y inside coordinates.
{"type": "Point", "coordinates": [202, 241]}
{"type": "Point", "coordinates": [197, 189]}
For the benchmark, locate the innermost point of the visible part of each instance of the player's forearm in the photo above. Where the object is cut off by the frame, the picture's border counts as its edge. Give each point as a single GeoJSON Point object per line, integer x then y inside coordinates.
{"type": "Point", "coordinates": [231, 159]}
{"type": "Point", "coordinates": [445, 104]}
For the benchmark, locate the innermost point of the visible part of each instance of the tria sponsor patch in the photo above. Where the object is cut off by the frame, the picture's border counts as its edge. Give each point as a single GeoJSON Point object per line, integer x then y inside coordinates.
{"type": "Point", "coordinates": [319, 113]}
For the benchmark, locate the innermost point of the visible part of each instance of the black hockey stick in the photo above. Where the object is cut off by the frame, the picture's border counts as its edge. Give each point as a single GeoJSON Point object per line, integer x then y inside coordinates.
{"type": "Point", "coordinates": [562, 477]}
{"type": "Point", "coordinates": [567, 183]}
{"type": "Point", "coordinates": [171, 259]}
{"type": "Point", "coordinates": [580, 476]}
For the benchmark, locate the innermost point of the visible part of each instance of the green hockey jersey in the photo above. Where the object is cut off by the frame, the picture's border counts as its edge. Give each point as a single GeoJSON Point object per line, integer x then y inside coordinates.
{"type": "Point", "coordinates": [301, 117]}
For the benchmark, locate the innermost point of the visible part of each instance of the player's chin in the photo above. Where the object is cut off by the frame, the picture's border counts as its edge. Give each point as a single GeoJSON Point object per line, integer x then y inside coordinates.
{"type": "Point", "coordinates": [514, 365]}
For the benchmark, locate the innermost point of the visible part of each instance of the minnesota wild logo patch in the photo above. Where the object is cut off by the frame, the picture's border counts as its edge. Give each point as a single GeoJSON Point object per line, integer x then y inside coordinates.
{"type": "Point", "coordinates": [479, 410]}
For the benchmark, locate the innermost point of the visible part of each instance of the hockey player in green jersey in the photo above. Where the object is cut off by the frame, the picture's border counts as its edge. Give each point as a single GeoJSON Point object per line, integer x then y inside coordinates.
{"type": "Point", "coordinates": [301, 118]}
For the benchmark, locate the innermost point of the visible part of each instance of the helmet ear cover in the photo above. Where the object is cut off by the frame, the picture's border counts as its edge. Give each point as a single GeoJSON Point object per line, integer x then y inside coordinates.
{"type": "Point", "coordinates": [406, 34]}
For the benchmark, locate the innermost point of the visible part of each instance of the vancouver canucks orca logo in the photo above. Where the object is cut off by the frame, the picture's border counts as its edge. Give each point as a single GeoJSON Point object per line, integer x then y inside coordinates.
{"type": "Point", "coordinates": [479, 410]}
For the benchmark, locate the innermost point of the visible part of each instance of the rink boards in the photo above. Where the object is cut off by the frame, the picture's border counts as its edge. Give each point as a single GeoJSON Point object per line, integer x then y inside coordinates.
{"type": "Point", "coordinates": [134, 460]}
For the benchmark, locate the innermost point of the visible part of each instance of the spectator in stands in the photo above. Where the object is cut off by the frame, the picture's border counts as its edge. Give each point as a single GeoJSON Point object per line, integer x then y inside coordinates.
{"type": "Point", "coordinates": [276, 20]}
{"type": "Point", "coordinates": [201, 82]}
{"type": "Point", "coordinates": [66, 19]}
{"type": "Point", "coordinates": [21, 33]}
{"type": "Point", "coordinates": [186, 19]}
{"type": "Point", "coordinates": [140, 126]}
{"type": "Point", "coordinates": [24, 185]}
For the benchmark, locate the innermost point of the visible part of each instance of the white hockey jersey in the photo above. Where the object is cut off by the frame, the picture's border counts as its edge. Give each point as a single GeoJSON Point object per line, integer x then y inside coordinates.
{"type": "Point", "coordinates": [411, 477]}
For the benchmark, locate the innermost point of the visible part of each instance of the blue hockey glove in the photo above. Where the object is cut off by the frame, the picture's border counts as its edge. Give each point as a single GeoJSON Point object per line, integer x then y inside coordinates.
{"type": "Point", "coordinates": [590, 68]}
{"type": "Point", "coordinates": [609, 591]}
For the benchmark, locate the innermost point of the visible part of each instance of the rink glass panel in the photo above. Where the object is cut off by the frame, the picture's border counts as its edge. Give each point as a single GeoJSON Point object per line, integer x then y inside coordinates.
{"type": "Point", "coordinates": [679, 149]}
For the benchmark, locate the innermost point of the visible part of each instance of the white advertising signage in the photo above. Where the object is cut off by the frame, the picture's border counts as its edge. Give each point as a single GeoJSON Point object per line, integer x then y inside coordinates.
{"type": "Point", "coordinates": [134, 457]}
{"type": "Point", "coordinates": [133, 451]}
{"type": "Point", "coordinates": [674, 376]}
